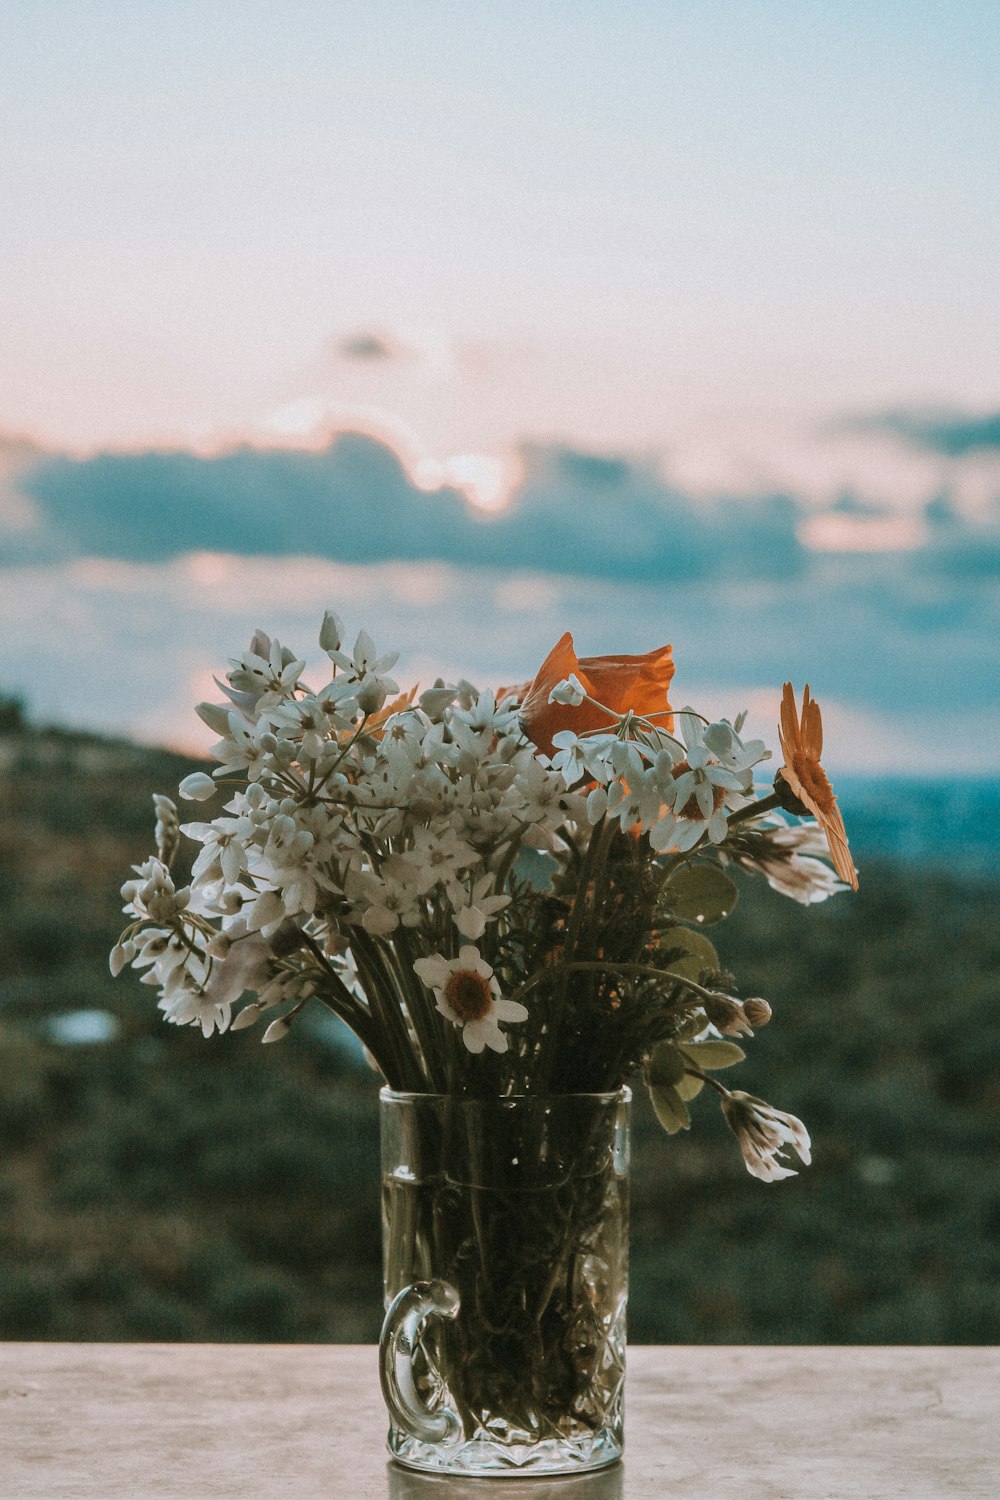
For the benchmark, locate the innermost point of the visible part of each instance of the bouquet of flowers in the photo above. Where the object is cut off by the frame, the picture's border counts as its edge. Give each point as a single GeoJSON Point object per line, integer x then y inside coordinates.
{"type": "Point", "coordinates": [498, 894]}
{"type": "Point", "coordinates": [501, 894]}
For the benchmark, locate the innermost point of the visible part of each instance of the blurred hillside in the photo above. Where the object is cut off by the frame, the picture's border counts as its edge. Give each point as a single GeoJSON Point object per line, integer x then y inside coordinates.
{"type": "Point", "coordinates": [157, 1186]}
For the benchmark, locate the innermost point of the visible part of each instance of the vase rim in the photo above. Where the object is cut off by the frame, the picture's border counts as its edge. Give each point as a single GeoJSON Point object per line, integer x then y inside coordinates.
{"type": "Point", "coordinates": [622, 1095]}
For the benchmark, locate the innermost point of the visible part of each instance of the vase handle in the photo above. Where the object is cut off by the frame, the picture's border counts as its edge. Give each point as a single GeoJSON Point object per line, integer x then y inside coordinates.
{"type": "Point", "coordinates": [400, 1333]}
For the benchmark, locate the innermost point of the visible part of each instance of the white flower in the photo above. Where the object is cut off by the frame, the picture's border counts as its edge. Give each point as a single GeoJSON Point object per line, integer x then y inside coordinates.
{"type": "Point", "coordinates": [436, 854]}
{"type": "Point", "coordinates": [468, 995]}
{"type": "Point", "coordinates": [701, 790]}
{"type": "Point", "coordinates": [475, 908]}
{"type": "Point", "coordinates": [154, 895]}
{"type": "Point", "coordinates": [267, 673]}
{"type": "Point", "coordinates": [244, 749]}
{"type": "Point", "coordinates": [574, 756]}
{"type": "Point", "coordinates": [224, 852]}
{"type": "Point", "coordinates": [380, 905]}
{"type": "Point", "coordinates": [266, 914]}
{"type": "Point", "coordinates": [247, 966]}
{"type": "Point", "coordinates": [402, 744]}
{"type": "Point", "coordinates": [732, 753]}
{"type": "Point", "coordinates": [570, 691]}
{"type": "Point", "coordinates": [486, 715]}
{"type": "Point", "coordinates": [193, 1008]}
{"type": "Point", "coordinates": [788, 864]}
{"type": "Point", "coordinates": [364, 660]}
{"type": "Point", "coordinates": [762, 1132]}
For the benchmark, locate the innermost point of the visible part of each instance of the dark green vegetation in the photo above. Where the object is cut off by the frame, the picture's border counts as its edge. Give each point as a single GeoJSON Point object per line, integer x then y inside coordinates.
{"type": "Point", "coordinates": [158, 1186]}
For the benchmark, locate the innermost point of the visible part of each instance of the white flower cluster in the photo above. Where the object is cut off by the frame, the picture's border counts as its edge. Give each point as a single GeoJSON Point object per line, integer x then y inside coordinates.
{"type": "Point", "coordinates": [358, 817]}
{"type": "Point", "coordinates": [679, 791]}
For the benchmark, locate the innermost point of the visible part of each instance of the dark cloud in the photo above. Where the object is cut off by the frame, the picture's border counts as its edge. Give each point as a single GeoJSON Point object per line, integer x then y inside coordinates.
{"type": "Point", "coordinates": [954, 435]}
{"type": "Point", "coordinates": [573, 513]}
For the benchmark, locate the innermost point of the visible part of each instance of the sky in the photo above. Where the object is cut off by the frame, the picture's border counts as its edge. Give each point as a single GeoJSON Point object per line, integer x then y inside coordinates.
{"type": "Point", "coordinates": [740, 250]}
{"type": "Point", "coordinates": [573, 220]}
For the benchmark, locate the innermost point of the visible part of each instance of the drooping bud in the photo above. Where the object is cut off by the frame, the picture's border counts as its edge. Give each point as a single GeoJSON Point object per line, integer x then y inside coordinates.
{"type": "Point", "coordinates": [727, 1014]}
{"type": "Point", "coordinates": [121, 954]}
{"type": "Point", "coordinates": [247, 1016]}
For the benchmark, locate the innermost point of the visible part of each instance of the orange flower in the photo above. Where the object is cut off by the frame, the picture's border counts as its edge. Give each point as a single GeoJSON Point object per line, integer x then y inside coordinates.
{"type": "Point", "coordinates": [802, 746]}
{"type": "Point", "coordinates": [638, 683]}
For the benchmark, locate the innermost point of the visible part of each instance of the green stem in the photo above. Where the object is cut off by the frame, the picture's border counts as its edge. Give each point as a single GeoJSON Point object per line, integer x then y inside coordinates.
{"type": "Point", "coordinates": [766, 804]}
{"type": "Point", "coordinates": [595, 854]}
{"type": "Point", "coordinates": [382, 991]}
{"type": "Point", "coordinates": [610, 966]}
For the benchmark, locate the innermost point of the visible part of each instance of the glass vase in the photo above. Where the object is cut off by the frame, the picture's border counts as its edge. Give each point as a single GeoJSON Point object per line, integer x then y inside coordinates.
{"type": "Point", "coordinates": [505, 1253]}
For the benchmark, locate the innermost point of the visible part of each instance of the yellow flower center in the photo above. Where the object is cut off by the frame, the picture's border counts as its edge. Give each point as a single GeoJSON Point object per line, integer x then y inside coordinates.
{"type": "Point", "coordinates": [468, 994]}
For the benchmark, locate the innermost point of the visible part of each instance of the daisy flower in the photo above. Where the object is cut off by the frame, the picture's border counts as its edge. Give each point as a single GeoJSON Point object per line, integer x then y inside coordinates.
{"type": "Point", "coordinates": [802, 746]}
{"type": "Point", "coordinates": [468, 994]}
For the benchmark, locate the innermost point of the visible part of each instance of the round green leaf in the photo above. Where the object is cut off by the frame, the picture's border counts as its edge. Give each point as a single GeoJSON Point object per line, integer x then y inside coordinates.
{"type": "Point", "coordinates": [666, 1065]}
{"type": "Point", "coordinates": [689, 1087]}
{"type": "Point", "coordinates": [669, 1108]}
{"type": "Point", "coordinates": [701, 893]}
{"type": "Point", "coordinates": [713, 1053]}
{"type": "Point", "coordinates": [693, 953]}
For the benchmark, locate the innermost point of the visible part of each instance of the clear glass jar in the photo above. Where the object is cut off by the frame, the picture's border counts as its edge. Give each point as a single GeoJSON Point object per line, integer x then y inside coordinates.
{"type": "Point", "coordinates": [505, 1252]}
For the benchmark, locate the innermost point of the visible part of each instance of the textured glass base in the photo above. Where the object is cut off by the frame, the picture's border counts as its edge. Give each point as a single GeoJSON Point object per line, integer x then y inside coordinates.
{"type": "Point", "coordinates": [483, 1458]}
{"type": "Point", "coordinates": [505, 1230]}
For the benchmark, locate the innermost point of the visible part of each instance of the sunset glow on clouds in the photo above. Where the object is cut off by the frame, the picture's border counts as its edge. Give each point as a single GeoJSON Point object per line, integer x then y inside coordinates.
{"type": "Point", "coordinates": [479, 321]}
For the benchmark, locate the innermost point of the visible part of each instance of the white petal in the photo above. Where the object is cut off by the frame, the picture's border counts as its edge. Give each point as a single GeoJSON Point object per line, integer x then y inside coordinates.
{"type": "Point", "coordinates": [510, 1010]}
{"type": "Point", "coordinates": [470, 922]}
{"type": "Point", "coordinates": [434, 971]}
{"type": "Point", "coordinates": [472, 1036]}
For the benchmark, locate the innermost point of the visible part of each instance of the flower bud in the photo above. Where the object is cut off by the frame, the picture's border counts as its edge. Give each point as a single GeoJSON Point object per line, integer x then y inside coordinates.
{"type": "Point", "coordinates": [121, 954]}
{"type": "Point", "coordinates": [570, 691]}
{"type": "Point", "coordinates": [727, 1014]}
{"type": "Point", "coordinates": [215, 715]}
{"type": "Point", "coordinates": [371, 695]}
{"type": "Point", "coordinates": [331, 632]}
{"type": "Point", "coordinates": [247, 1017]}
{"type": "Point", "coordinates": [197, 787]}
{"type": "Point", "coordinates": [757, 1011]}
{"type": "Point", "coordinates": [277, 1031]}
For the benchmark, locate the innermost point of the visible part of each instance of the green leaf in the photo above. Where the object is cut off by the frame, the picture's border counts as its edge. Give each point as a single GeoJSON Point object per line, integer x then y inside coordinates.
{"type": "Point", "coordinates": [669, 1108]}
{"type": "Point", "coordinates": [699, 893]}
{"type": "Point", "coordinates": [665, 1066]}
{"type": "Point", "coordinates": [713, 1054]}
{"type": "Point", "coordinates": [694, 953]}
{"type": "Point", "coordinates": [690, 1086]}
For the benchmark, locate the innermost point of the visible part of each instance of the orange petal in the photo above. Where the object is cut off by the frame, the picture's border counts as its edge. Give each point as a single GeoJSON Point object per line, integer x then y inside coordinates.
{"type": "Point", "coordinates": [620, 682]}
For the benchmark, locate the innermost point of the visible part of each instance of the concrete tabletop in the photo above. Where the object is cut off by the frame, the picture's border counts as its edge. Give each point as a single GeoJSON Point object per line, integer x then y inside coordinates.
{"type": "Point", "coordinates": [200, 1421]}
